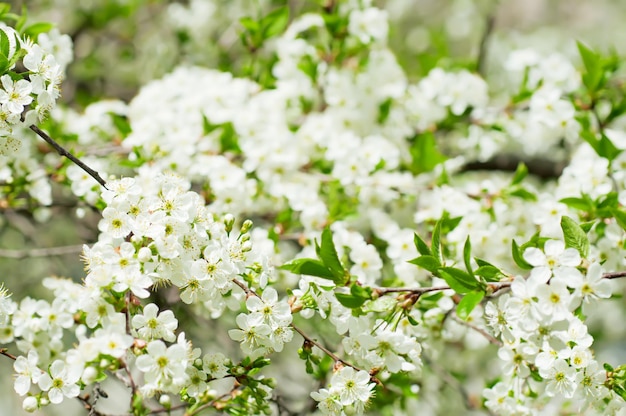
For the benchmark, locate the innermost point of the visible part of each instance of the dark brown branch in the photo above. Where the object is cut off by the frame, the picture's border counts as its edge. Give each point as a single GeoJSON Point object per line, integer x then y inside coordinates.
{"type": "Point", "coordinates": [68, 155]}
{"type": "Point", "coordinates": [542, 168]}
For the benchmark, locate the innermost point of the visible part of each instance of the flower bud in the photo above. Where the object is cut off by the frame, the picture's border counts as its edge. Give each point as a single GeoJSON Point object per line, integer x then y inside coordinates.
{"type": "Point", "coordinates": [245, 227]}
{"type": "Point", "coordinates": [229, 221]}
{"type": "Point", "coordinates": [30, 404]}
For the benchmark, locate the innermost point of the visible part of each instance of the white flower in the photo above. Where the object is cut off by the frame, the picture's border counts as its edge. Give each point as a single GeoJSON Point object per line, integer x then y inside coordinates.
{"type": "Point", "coordinates": [554, 255]}
{"type": "Point", "coordinates": [59, 382]}
{"type": "Point", "coordinates": [16, 94]}
{"type": "Point", "coordinates": [591, 286]}
{"type": "Point", "coordinates": [149, 326]}
{"type": "Point", "coordinates": [27, 372]}
{"type": "Point", "coordinates": [329, 403]}
{"type": "Point", "coordinates": [115, 222]}
{"type": "Point", "coordinates": [162, 364]}
{"type": "Point", "coordinates": [252, 335]}
{"type": "Point", "coordinates": [353, 386]}
{"type": "Point", "coordinates": [369, 24]}
{"type": "Point", "coordinates": [560, 379]}
{"type": "Point", "coordinates": [268, 309]}
{"type": "Point", "coordinates": [215, 365]}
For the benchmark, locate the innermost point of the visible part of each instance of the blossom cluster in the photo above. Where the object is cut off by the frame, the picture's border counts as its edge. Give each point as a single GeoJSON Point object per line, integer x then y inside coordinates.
{"type": "Point", "coordinates": [343, 161]}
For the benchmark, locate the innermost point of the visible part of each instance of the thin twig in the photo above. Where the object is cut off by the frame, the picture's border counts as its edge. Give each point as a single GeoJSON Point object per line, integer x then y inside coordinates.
{"type": "Point", "coordinates": [481, 64]}
{"type": "Point", "coordinates": [40, 252]}
{"type": "Point", "coordinates": [5, 352]}
{"type": "Point", "coordinates": [307, 338]}
{"type": "Point", "coordinates": [68, 155]}
{"type": "Point", "coordinates": [493, 340]}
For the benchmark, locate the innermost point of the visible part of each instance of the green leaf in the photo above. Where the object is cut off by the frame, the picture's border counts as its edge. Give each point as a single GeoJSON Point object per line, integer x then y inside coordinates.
{"type": "Point", "coordinates": [4, 63]}
{"type": "Point", "coordinates": [467, 252]}
{"type": "Point", "coordinates": [460, 281]}
{"type": "Point", "coordinates": [587, 226]}
{"type": "Point", "coordinates": [4, 9]}
{"type": "Point", "coordinates": [34, 30]}
{"type": "Point", "coordinates": [523, 193]}
{"type": "Point", "coordinates": [275, 22]}
{"type": "Point", "coordinates": [228, 139]}
{"type": "Point", "coordinates": [5, 46]}
{"type": "Point", "coordinates": [620, 217]}
{"type": "Point", "coordinates": [604, 147]}
{"type": "Point", "coordinates": [250, 24]}
{"type": "Point", "coordinates": [309, 66]}
{"type": "Point", "coordinates": [520, 174]}
{"type": "Point", "coordinates": [575, 236]}
{"type": "Point", "coordinates": [421, 246]}
{"type": "Point", "coordinates": [425, 153]}
{"type": "Point", "coordinates": [490, 273]}
{"type": "Point", "coordinates": [328, 255]}
{"type": "Point", "coordinates": [582, 204]}
{"type": "Point", "coordinates": [361, 292]}
{"type": "Point", "coordinates": [309, 267]}
{"type": "Point", "coordinates": [593, 66]}
{"type": "Point", "coordinates": [350, 301]}
{"type": "Point", "coordinates": [383, 110]}
{"type": "Point", "coordinates": [468, 303]}
{"type": "Point", "coordinates": [435, 242]}
{"type": "Point", "coordinates": [429, 263]}
{"type": "Point", "coordinates": [518, 257]}
{"type": "Point", "coordinates": [121, 123]}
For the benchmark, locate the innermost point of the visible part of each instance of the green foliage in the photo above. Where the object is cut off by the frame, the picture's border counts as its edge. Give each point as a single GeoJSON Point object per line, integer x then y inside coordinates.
{"type": "Point", "coordinates": [574, 236]}
{"type": "Point", "coordinates": [468, 303]}
{"type": "Point", "coordinates": [424, 153]}
{"type": "Point", "coordinates": [327, 266]}
{"type": "Point", "coordinates": [256, 32]}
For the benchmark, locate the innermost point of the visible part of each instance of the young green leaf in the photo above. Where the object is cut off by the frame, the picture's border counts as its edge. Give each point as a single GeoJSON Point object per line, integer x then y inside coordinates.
{"type": "Point", "coordinates": [581, 204]}
{"type": "Point", "coordinates": [275, 22]}
{"type": "Point", "coordinates": [350, 301]}
{"type": "Point", "coordinates": [460, 281]}
{"type": "Point", "coordinates": [468, 303]}
{"type": "Point", "coordinates": [435, 243]}
{"type": "Point", "coordinates": [35, 29]}
{"type": "Point", "coordinates": [467, 252]}
{"type": "Point", "coordinates": [429, 263]}
{"type": "Point", "coordinates": [520, 174]}
{"type": "Point", "coordinates": [309, 267]}
{"type": "Point", "coordinates": [593, 67]}
{"type": "Point", "coordinates": [490, 273]}
{"type": "Point", "coordinates": [328, 254]}
{"type": "Point", "coordinates": [518, 257]}
{"type": "Point", "coordinates": [421, 246]}
{"type": "Point", "coordinates": [574, 236]}
{"type": "Point", "coordinates": [620, 217]}
{"type": "Point", "coordinates": [425, 153]}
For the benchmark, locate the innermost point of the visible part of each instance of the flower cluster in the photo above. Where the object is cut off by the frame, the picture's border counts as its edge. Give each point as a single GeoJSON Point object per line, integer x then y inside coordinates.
{"type": "Point", "coordinates": [360, 180]}
{"type": "Point", "coordinates": [348, 391]}
{"type": "Point", "coordinates": [543, 334]}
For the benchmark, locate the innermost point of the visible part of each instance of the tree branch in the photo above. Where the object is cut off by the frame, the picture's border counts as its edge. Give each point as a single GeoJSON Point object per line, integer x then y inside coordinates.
{"type": "Point", "coordinates": [68, 155]}
{"type": "Point", "coordinates": [40, 252]}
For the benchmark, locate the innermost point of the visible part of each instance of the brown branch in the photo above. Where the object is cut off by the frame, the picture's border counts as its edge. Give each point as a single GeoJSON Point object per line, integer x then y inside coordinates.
{"type": "Point", "coordinates": [493, 340]}
{"type": "Point", "coordinates": [40, 252]}
{"type": "Point", "coordinates": [614, 275]}
{"type": "Point", "coordinates": [416, 290]}
{"type": "Point", "coordinates": [5, 352]}
{"type": "Point", "coordinates": [68, 155]}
